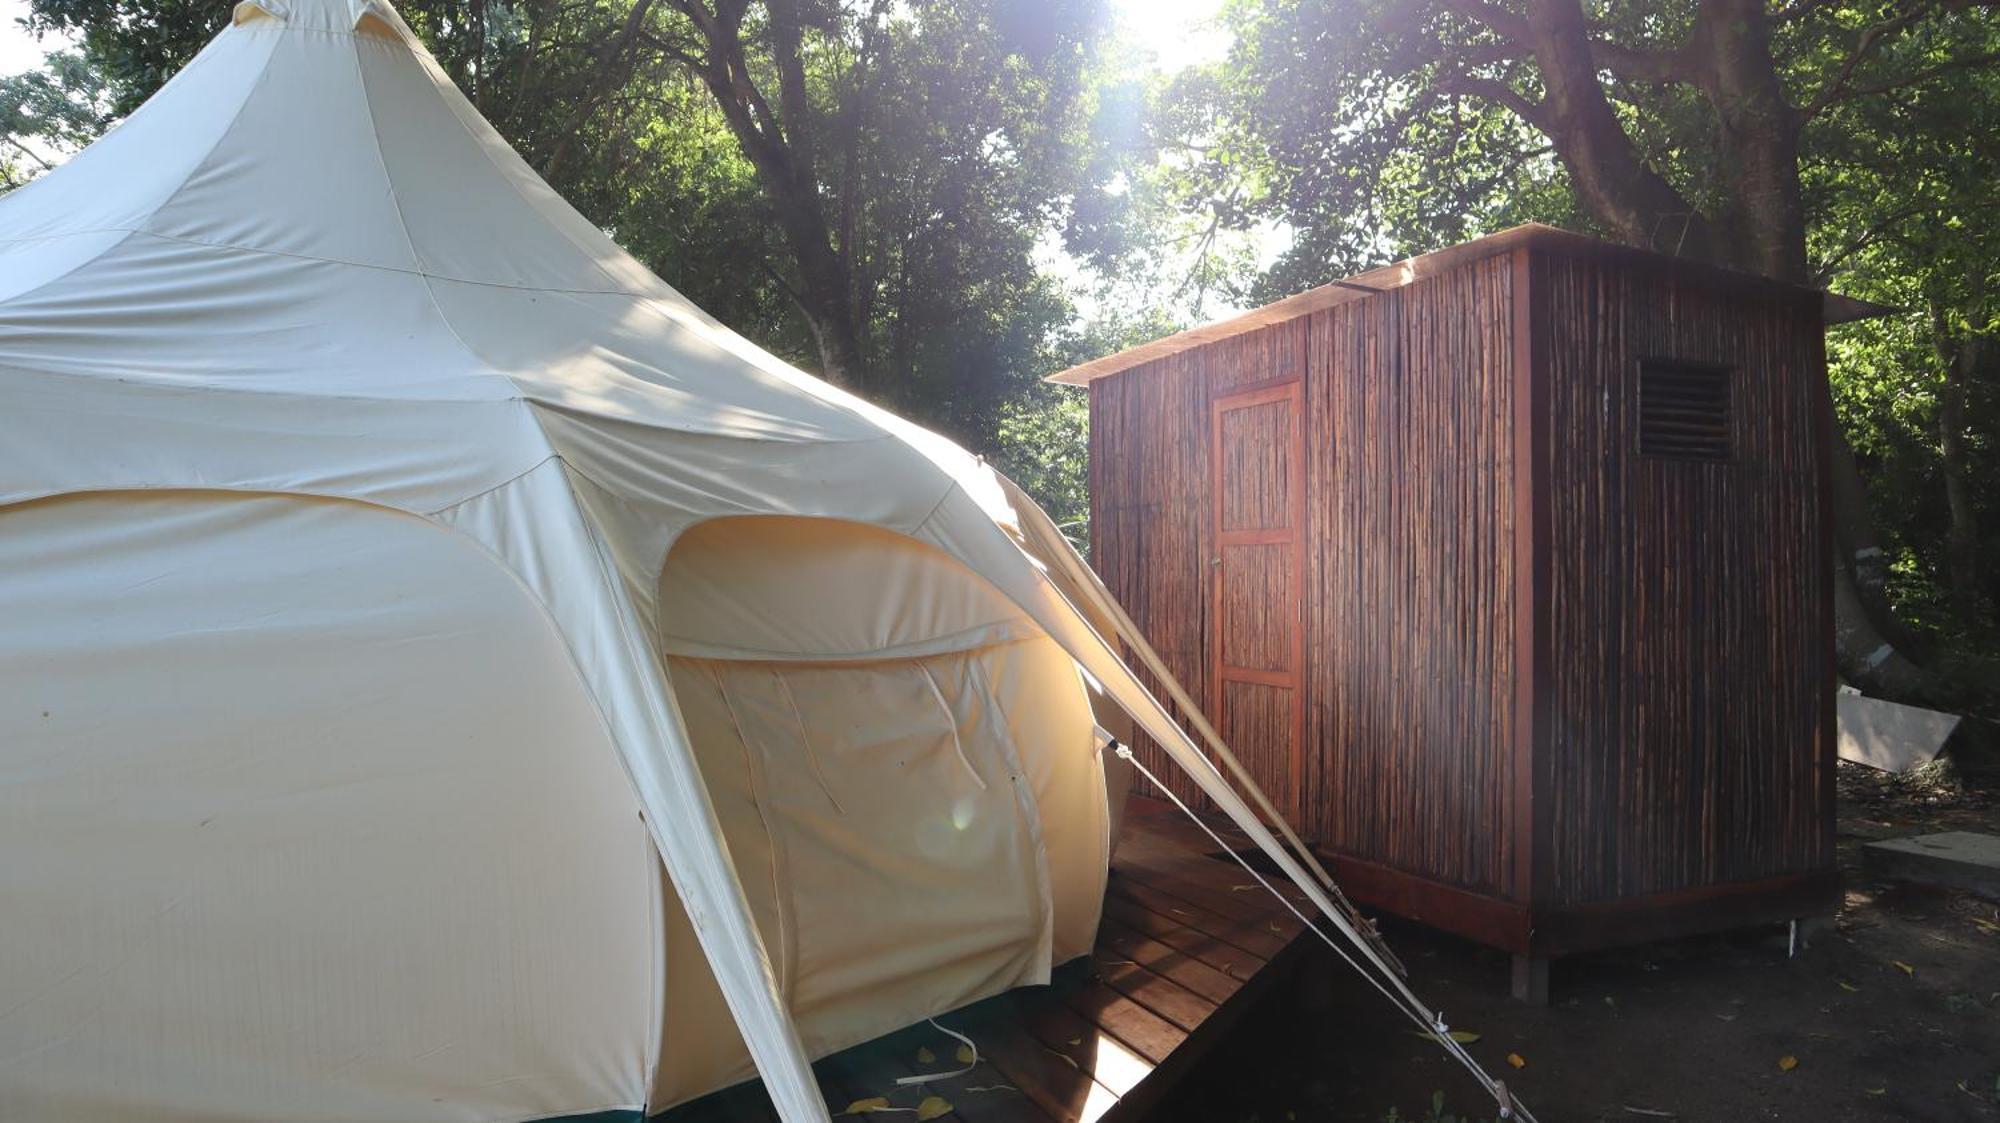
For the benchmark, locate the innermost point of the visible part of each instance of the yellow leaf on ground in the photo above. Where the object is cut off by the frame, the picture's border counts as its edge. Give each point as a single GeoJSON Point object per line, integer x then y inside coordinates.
{"type": "Point", "coordinates": [1876, 1091]}
{"type": "Point", "coordinates": [964, 1054]}
{"type": "Point", "coordinates": [925, 1056]}
{"type": "Point", "coordinates": [1462, 1036]}
{"type": "Point", "coordinates": [872, 1103]}
{"type": "Point", "coordinates": [932, 1107]}
{"type": "Point", "coordinates": [1848, 987]}
{"type": "Point", "coordinates": [1787, 1063]}
{"type": "Point", "coordinates": [1517, 1060]}
{"type": "Point", "coordinates": [1904, 967]}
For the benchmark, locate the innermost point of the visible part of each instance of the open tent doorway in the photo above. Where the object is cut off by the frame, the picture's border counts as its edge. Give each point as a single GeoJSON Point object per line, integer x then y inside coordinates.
{"type": "Point", "coordinates": [903, 767]}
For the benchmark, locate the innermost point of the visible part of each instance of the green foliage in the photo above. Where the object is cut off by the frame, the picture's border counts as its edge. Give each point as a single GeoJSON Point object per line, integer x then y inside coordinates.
{"type": "Point", "coordinates": [47, 114]}
{"type": "Point", "coordinates": [1374, 129]}
{"type": "Point", "coordinates": [1904, 188]}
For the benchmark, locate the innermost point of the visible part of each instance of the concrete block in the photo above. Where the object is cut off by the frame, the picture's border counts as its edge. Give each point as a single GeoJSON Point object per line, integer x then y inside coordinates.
{"type": "Point", "coordinates": [1953, 859]}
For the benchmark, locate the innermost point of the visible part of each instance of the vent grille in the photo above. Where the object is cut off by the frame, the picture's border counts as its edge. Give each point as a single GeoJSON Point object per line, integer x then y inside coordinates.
{"type": "Point", "coordinates": [1684, 410]}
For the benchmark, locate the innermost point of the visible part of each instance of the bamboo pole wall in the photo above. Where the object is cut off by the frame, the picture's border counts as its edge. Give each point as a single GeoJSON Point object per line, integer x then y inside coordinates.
{"type": "Point", "coordinates": [1412, 616]}
{"type": "Point", "coordinates": [1687, 597]}
{"type": "Point", "coordinates": [1542, 672]}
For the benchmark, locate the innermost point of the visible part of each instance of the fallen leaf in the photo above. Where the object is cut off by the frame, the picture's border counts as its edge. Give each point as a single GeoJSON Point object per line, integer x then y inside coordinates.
{"type": "Point", "coordinates": [1462, 1036]}
{"type": "Point", "coordinates": [1787, 1063]}
{"type": "Point", "coordinates": [1986, 924]}
{"type": "Point", "coordinates": [925, 1056]}
{"type": "Point", "coordinates": [1725, 1017]}
{"type": "Point", "coordinates": [1848, 987]}
{"type": "Point", "coordinates": [1517, 1060]}
{"type": "Point", "coordinates": [1903, 967]}
{"type": "Point", "coordinates": [872, 1103]}
{"type": "Point", "coordinates": [932, 1107]}
{"type": "Point", "coordinates": [964, 1055]}
{"type": "Point", "coordinates": [1877, 1091]}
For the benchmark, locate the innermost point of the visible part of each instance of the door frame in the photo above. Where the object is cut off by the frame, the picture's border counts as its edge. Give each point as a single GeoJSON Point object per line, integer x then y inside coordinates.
{"type": "Point", "coordinates": [1290, 390]}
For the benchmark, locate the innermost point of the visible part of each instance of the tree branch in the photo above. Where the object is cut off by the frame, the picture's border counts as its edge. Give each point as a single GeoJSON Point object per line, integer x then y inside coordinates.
{"type": "Point", "coordinates": [1870, 39]}
{"type": "Point", "coordinates": [1850, 93]}
{"type": "Point", "coordinates": [1496, 91]}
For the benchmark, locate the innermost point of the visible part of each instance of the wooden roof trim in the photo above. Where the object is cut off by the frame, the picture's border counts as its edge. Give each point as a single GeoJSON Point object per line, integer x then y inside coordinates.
{"type": "Point", "coordinates": [1839, 309]}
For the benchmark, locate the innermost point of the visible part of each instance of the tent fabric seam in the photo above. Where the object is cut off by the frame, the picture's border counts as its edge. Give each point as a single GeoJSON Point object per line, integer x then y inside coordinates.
{"type": "Point", "coordinates": [485, 491]}
{"type": "Point", "coordinates": [235, 117]}
{"type": "Point", "coordinates": [753, 766]}
{"type": "Point", "coordinates": [447, 93]}
{"type": "Point", "coordinates": [1007, 631]}
{"type": "Point", "coordinates": [237, 247]}
{"type": "Point", "coordinates": [403, 221]}
{"type": "Point", "coordinates": [1030, 811]}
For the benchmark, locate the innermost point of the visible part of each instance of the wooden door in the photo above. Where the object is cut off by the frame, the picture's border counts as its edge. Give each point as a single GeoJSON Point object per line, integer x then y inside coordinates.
{"type": "Point", "coordinates": [1256, 637]}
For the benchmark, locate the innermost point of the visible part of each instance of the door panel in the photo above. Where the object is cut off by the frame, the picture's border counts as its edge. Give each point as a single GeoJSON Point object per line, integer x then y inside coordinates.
{"type": "Point", "coordinates": [1256, 641]}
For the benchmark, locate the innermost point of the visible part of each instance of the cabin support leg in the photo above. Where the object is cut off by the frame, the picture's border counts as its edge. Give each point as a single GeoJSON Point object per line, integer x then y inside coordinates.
{"type": "Point", "coordinates": [1531, 980]}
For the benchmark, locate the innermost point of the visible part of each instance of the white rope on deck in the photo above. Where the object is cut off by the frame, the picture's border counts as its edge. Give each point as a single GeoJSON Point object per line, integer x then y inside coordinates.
{"type": "Point", "coordinates": [1429, 1022]}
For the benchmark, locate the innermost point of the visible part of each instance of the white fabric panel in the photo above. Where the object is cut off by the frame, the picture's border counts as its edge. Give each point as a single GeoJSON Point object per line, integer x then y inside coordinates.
{"type": "Point", "coordinates": [121, 179]}
{"type": "Point", "coordinates": [1034, 690]}
{"type": "Point", "coordinates": [304, 814]}
{"type": "Point", "coordinates": [775, 588]}
{"type": "Point", "coordinates": [89, 434]}
{"type": "Point", "coordinates": [641, 359]}
{"type": "Point", "coordinates": [536, 526]}
{"type": "Point", "coordinates": [186, 314]}
{"type": "Point", "coordinates": [452, 201]}
{"type": "Point", "coordinates": [302, 204]}
{"type": "Point", "coordinates": [896, 850]}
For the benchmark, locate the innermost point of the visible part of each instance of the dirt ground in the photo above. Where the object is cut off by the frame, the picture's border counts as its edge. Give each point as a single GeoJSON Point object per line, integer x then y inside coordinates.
{"type": "Point", "coordinates": [1695, 1029]}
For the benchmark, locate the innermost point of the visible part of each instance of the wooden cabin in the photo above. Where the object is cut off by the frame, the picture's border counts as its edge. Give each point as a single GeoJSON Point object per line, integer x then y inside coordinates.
{"type": "Point", "coordinates": [1506, 571]}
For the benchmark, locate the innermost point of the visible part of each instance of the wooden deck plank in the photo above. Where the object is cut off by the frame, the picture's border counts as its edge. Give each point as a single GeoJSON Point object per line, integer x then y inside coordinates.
{"type": "Point", "coordinates": [1052, 1080]}
{"type": "Point", "coordinates": [1143, 1031]}
{"type": "Point", "coordinates": [1155, 992]}
{"type": "Point", "coordinates": [1188, 970]}
{"type": "Point", "coordinates": [1234, 963]}
{"type": "Point", "coordinates": [1252, 936]}
{"type": "Point", "coordinates": [1183, 938]}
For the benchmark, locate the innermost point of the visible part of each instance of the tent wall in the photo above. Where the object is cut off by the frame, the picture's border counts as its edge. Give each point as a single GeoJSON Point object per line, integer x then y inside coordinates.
{"type": "Point", "coordinates": [305, 814]}
{"type": "Point", "coordinates": [910, 794]}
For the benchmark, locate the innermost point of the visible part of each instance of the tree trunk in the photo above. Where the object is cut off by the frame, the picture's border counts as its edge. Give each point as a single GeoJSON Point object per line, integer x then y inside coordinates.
{"type": "Point", "coordinates": [1613, 182]}
{"type": "Point", "coordinates": [1865, 658]}
{"type": "Point", "coordinates": [1960, 358]}
{"type": "Point", "coordinates": [784, 169]}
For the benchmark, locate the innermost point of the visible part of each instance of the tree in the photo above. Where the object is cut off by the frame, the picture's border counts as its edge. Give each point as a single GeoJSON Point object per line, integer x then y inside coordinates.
{"type": "Point", "coordinates": [47, 114]}
{"type": "Point", "coordinates": [1681, 127]}
{"type": "Point", "coordinates": [1904, 182]}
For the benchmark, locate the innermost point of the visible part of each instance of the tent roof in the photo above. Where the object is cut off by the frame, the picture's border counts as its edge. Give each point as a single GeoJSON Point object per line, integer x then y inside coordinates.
{"type": "Point", "coordinates": [1839, 309]}
{"type": "Point", "coordinates": [315, 158]}
{"type": "Point", "coordinates": [311, 212]}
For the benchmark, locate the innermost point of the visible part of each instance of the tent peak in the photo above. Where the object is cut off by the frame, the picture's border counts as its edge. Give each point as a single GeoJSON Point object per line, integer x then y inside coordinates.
{"type": "Point", "coordinates": [377, 18]}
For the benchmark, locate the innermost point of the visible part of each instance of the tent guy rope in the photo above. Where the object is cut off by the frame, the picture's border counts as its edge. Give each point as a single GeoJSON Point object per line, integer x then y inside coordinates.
{"type": "Point", "coordinates": [1430, 1022]}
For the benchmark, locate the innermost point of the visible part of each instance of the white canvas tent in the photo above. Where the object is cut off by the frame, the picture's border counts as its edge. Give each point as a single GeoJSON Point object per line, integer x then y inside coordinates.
{"type": "Point", "coordinates": [444, 675]}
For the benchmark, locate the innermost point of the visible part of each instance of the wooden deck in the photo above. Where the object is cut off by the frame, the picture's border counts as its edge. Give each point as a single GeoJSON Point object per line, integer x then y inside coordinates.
{"type": "Point", "coordinates": [1187, 941]}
